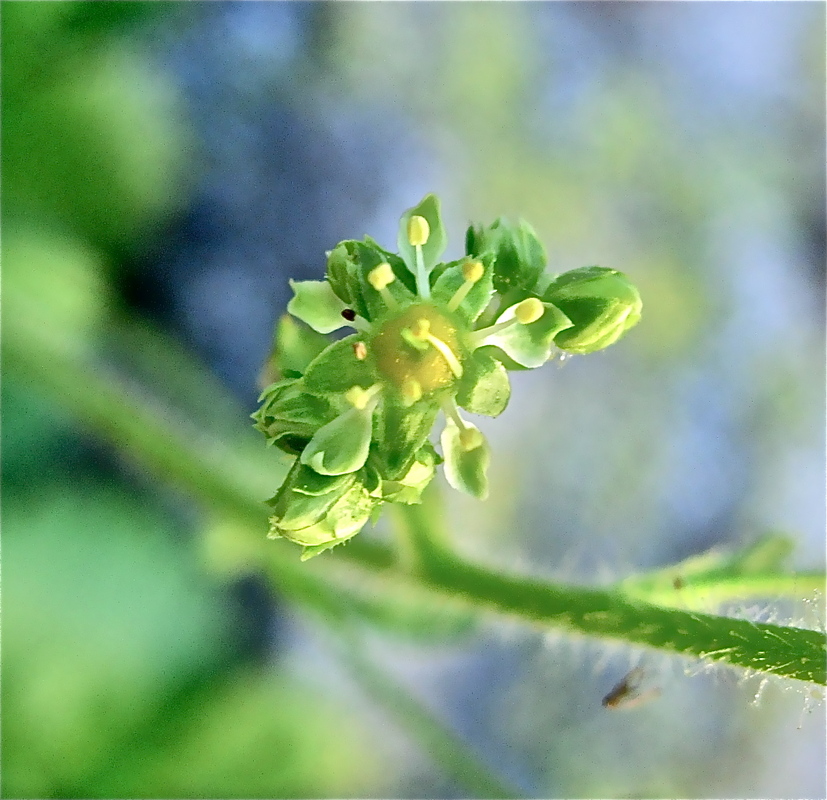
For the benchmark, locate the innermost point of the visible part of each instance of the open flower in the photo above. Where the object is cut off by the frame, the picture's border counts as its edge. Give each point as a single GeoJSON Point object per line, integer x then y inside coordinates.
{"type": "Point", "coordinates": [430, 338]}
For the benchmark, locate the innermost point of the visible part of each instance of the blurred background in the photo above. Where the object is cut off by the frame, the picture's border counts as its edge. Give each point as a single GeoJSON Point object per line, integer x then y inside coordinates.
{"type": "Point", "coordinates": [168, 166]}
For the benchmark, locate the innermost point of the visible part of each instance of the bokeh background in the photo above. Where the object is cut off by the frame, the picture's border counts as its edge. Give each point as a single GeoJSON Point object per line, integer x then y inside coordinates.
{"type": "Point", "coordinates": [168, 166]}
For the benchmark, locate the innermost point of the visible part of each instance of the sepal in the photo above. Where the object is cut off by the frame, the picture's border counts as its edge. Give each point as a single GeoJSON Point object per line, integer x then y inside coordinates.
{"type": "Point", "coordinates": [484, 388]}
{"type": "Point", "coordinates": [342, 445]}
{"type": "Point", "coordinates": [451, 279]}
{"type": "Point", "coordinates": [520, 255]}
{"type": "Point", "coordinates": [338, 367]}
{"type": "Point", "coordinates": [316, 303]}
{"type": "Point", "coordinates": [467, 456]}
{"type": "Point", "coordinates": [289, 416]}
{"type": "Point", "coordinates": [345, 276]}
{"type": "Point", "coordinates": [295, 345]}
{"type": "Point", "coordinates": [401, 432]}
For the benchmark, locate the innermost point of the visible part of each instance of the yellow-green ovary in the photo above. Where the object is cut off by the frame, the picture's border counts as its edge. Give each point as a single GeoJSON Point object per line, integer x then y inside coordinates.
{"type": "Point", "coordinates": [399, 362]}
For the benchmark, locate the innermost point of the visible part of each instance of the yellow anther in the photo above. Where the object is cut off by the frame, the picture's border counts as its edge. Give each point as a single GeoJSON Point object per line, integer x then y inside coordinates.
{"type": "Point", "coordinates": [360, 351]}
{"type": "Point", "coordinates": [411, 391]}
{"type": "Point", "coordinates": [418, 230]}
{"type": "Point", "coordinates": [530, 310]}
{"type": "Point", "coordinates": [380, 276]}
{"type": "Point", "coordinates": [358, 397]}
{"type": "Point", "coordinates": [473, 271]}
{"type": "Point", "coordinates": [470, 439]}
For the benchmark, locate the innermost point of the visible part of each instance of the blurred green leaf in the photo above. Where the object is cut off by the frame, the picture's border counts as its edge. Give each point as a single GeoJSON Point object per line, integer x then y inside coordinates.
{"type": "Point", "coordinates": [103, 613]}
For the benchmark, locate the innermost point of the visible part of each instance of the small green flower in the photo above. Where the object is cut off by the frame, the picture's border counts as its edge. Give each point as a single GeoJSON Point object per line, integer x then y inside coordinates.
{"type": "Point", "coordinates": [429, 338]}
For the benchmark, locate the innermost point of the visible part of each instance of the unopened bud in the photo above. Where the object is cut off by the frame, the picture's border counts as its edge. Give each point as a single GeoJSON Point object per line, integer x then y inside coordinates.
{"type": "Point", "coordinates": [418, 230]}
{"type": "Point", "coordinates": [603, 304]}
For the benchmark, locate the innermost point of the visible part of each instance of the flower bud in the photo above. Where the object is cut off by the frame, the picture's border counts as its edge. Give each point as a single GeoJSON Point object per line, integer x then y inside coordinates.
{"type": "Point", "coordinates": [338, 508]}
{"type": "Point", "coordinates": [601, 303]}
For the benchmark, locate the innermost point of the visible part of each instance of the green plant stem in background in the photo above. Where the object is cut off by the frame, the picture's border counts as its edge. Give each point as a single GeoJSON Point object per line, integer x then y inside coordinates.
{"type": "Point", "coordinates": [453, 755]}
{"type": "Point", "coordinates": [706, 594]}
{"type": "Point", "coordinates": [216, 475]}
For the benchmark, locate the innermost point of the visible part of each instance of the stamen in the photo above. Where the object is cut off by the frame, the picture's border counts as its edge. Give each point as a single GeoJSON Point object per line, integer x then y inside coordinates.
{"type": "Point", "coordinates": [421, 331]}
{"type": "Point", "coordinates": [472, 271]}
{"type": "Point", "coordinates": [469, 438]}
{"type": "Point", "coordinates": [530, 310]}
{"type": "Point", "coordinates": [418, 232]}
{"type": "Point", "coordinates": [379, 278]}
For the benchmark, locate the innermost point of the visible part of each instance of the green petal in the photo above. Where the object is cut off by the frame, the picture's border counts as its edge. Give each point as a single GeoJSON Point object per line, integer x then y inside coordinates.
{"type": "Point", "coordinates": [336, 369]}
{"type": "Point", "coordinates": [529, 345]}
{"type": "Point", "coordinates": [437, 240]}
{"type": "Point", "coordinates": [316, 303]}
{"type": "Point", "coordinates": [451, 280]}
{"type": "Point", "coordinates": [342, 445]}
{"type": "Point", "coordinates": [465, 470]}
{"type": "Point", "coordinates": [369, 257]}
{"type": "Point", "coordinates": [484, 388]}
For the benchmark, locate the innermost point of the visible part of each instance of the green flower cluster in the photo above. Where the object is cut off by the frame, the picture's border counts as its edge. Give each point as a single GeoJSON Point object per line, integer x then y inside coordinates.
{"type": "Point", "coordinates": [429, 337]}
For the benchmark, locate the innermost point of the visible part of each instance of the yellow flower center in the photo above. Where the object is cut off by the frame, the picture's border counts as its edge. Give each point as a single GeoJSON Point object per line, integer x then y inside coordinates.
{"type": "Point", "coordinates": [418, 347]}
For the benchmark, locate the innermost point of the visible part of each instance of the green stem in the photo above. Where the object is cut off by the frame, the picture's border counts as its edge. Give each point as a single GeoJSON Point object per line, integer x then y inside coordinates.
{"type": "Point", "coordinates": [421, 532]}
{"type": "Point", "coordinates": [214, 473]}
{"type": "Point", "coordinates": [716, 592]}
{"type": "Point", "coordinates": [443, 745]}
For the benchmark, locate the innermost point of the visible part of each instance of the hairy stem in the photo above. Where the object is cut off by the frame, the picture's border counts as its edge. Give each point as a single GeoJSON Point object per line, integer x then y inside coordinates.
{"type": "Point", "coordinates": [216, 474]}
